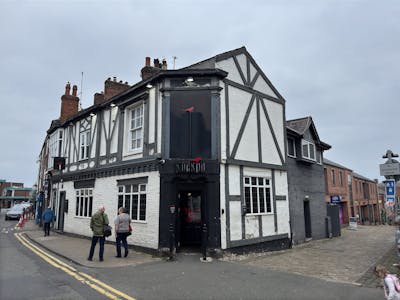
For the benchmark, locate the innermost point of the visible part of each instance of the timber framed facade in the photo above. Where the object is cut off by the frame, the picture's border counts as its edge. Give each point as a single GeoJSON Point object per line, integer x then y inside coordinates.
{"type": "Point", "coordinates": [197, 155]}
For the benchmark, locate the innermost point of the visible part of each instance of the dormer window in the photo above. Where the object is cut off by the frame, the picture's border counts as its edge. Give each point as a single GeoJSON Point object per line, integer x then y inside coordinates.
{"type": "Point", "coordinates": [308, 150]}
{"type": "Point", "coordinates": [291, 147]}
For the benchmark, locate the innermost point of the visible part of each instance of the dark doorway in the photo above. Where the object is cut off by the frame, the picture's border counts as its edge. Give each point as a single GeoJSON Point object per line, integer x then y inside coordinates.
{"type": "Point", "coordinates": [189, 218]}
{"type": "Point", "coordinates": [61, 211]}
{"type": "Point", "coordinates": [307, 220]}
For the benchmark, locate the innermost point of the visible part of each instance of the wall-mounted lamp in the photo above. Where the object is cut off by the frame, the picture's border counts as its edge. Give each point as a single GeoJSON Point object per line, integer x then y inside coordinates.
{"type": "Point", "coordinates": [92, 115]}
{"type": "Point", "coordinates": [149, 85]}
{"type": "Point", "coordinates": [112, 104]}
{"type": "Point", "coordinates": [189, 79]}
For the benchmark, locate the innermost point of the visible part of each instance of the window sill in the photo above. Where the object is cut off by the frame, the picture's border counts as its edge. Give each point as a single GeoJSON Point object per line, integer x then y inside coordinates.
{"type": "Point", "coordinates": [259, 214]}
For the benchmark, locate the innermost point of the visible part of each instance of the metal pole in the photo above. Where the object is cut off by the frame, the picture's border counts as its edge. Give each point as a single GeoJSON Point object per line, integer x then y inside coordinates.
{"type": "Point", "coordinates": [204, 241]}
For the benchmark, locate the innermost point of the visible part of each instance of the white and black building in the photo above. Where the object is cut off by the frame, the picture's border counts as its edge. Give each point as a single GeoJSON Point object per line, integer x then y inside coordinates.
{"type": "Point", "coordinates": [306, 179]}
{"type": "Point", "coordinates": [197, 154]}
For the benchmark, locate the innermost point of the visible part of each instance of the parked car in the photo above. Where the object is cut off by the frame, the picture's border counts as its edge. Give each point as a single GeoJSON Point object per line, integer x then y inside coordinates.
{"type": "Point", "coordinates": [15, 212]}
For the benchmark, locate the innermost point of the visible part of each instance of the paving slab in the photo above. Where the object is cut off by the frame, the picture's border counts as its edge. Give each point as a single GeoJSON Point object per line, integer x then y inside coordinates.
{"type": "Point", "coordinates": [341, 259]}
{"type": "Point", "coordinates": [76, 249]}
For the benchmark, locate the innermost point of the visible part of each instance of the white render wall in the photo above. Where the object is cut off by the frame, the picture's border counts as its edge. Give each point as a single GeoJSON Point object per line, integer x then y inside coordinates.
{"type": "Point", "coordinates": [252, 225]}
{"type": "Point", "coordinates": [105, 192]}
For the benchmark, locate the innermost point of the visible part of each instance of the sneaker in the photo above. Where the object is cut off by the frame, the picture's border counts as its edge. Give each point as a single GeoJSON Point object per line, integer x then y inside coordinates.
{"type": "Point", "coordinates": [89, 259]}
{"type": "Point", "coordinates": [118, 256]}
{"type": "Point", "coordinates": [101, 259]}
{"type": "Point", "coordinates": [126, 253]}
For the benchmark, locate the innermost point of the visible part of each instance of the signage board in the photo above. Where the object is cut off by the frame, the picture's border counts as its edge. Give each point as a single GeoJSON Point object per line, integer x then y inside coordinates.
{"type": "Point", "coordinates": [390, 192]}
{"type": "Point", "coordinates": [390, 169]}
{"type": "Point", "coordinates": [353, 223]}
{"type": "Point", "coordinates": [336, 199]}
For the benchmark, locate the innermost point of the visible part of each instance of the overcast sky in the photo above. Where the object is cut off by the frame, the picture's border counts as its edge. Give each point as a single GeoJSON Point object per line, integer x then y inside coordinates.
{"type": "Point", "coordinates": [337, 61]}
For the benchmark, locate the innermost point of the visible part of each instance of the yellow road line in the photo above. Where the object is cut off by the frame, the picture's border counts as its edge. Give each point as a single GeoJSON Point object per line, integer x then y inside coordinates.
{"type": "Point", "coordinates": [92, 282]}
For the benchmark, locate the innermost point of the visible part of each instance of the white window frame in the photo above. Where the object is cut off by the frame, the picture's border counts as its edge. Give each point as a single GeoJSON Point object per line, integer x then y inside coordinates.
{"type": "Point", "coordinates": [135, 132]}
{"type": "Point", "coordinates": [293, 148]}
{"type": "Point", "coordinates": [309, 146]}
{"type": "Point", "coordinates": [84, 202]}
{"type": "Point", "coordinates": [127, 193]}
{"type": "Point", "coordinates": [266, 187]}
{"type": "Point", "coordinates": [84, 145]}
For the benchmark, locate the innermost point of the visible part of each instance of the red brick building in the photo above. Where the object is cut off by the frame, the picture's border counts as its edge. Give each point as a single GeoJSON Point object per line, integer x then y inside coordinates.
{"type": "Point", "coordinates": [337, 178]}
{"type": "Point", "coordinates": [13, 192]}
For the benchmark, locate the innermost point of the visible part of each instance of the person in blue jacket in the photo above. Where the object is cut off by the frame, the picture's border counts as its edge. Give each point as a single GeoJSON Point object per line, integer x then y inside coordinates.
{"type": "Point", "coordinates": [48, 217]}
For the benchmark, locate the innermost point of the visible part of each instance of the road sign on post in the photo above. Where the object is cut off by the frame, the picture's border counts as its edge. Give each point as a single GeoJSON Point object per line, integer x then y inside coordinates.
{"type": "Point", "coordinates": [390, 192]}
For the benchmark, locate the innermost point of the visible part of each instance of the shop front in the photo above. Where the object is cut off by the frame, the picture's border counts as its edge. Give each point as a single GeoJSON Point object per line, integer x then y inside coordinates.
{"type": "Point", "coordinates": [189, 205]}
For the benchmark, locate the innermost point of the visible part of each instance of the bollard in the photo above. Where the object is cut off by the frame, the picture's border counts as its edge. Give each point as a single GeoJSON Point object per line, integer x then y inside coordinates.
{"type": "Point", "coordinates": [204, 241]}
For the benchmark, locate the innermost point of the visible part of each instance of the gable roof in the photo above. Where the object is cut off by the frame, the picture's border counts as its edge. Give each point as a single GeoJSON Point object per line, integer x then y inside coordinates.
{"type": "Point", "coordinates": [300, 126]}
{"type": "Point", "coordinates": [210, 63]}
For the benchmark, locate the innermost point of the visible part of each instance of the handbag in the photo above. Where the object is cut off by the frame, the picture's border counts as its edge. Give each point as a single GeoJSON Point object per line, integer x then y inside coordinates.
{"type": "Point", "coordinates": [130, 230]}
{"type": "Point", "coordinates": [107, 229]}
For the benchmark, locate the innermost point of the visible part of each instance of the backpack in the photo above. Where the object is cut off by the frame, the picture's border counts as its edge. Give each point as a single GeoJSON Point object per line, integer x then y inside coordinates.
{"type": "Point", "coordinates": [396, 282]}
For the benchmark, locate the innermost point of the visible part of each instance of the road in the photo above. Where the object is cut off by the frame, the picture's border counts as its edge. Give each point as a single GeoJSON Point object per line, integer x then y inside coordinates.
{"type": "Point", "coordinates": [25, 275]}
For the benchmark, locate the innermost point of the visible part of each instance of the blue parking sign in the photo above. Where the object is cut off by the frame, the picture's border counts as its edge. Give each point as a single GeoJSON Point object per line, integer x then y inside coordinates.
{"type": "Point", "coordinates": [390, 188]}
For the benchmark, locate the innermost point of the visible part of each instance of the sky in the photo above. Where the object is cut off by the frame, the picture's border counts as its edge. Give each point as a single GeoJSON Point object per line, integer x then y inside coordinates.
{"type": "Point", "coordinates": [336, 61]}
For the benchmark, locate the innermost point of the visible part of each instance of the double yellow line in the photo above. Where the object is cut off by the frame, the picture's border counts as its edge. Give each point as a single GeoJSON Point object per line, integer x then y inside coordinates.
{"type": "Point", "coordinates": [94, 283]}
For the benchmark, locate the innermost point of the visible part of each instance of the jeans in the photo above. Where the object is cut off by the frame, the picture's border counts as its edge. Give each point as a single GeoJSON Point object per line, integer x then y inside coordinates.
{"type": "Point", "coordinates": [46, 227]}
{"type": "Point", "coordinates": [101, 240]}
{"type": "Point", "coordinates": [121, 237]}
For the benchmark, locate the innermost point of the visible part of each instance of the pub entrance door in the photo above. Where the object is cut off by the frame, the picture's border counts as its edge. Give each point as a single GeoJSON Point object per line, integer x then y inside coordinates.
{"type": "Point", "coordinates": [189, 218]}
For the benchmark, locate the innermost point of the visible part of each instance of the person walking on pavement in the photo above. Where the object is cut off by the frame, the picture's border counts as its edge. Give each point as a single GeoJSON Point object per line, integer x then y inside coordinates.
{"type": "Point", "coordinates": [390, 281]}
{"type": "Point", "coordinates": [122, 230]}
{"type": "Point", "coordinates": [48, 217]}
{"type": "Point", "coordinates": [97, 222]}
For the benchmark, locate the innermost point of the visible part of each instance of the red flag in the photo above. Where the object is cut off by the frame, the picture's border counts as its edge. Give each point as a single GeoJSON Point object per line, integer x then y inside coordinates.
{"type": "Point", "coordinates": [189, 109]}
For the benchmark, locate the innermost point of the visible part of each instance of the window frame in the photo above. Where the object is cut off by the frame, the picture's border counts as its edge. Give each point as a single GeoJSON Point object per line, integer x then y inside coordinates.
{"type": "Point", "coordinates": [309, 145]}
{"type": "Point", "coordinates": [266, 187]}
{"type": "Point", "coordinates": [84, 144]}
{"type": "Point", "coordinates": [83, 208]}
{"type": "Point", "coordinates": [127, 194]}
{"type": "Point", "coordinates": [293, 148]}
{"type": "Point", "coordinates": [137, 107]}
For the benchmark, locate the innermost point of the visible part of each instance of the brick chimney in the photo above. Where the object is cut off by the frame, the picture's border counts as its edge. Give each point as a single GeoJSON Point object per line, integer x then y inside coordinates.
{"type": "Point", "coordinates": [148, 70]}
{"type": "Point", "coordinates": [69, 103]}
{"type": "Point", "coordinates": [111, 88]}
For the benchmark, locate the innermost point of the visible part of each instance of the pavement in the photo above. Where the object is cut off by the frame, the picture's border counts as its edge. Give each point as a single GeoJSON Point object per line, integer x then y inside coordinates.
{"type": "Point", "coordinates": [349, 258]}
{"type": "Point", "coordinates": [76, 249]}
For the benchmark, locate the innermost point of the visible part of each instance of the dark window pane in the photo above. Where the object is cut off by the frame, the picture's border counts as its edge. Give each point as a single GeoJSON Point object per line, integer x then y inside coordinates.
{"type": "Point", "coordinates": [255, 198]}
{"type": "Point", "coordinates": [86, 206]}
{"type": "Point", "coordinates": [77, 207]}
{"type": "Point", "coordinates": [127, 202]}
{"type": "Point", "coordinates": [247, 199]}
{"type": "Point", "coordinates": [246, 180]}
{"type": "Point", "coordinates": [260, 181]}
{"type": "Point", "coordinates": [120, 201]}
{"type": "Point", "coordinates": [81, 207]}
{"type": "Point", "coordinates": [268, 199]}
{"type": "Point", "coordinates": [135, 188]}
{"type": "Point", "coordinates": [134, 207]}
{"type": "Point", "coordinates": [127, 189]}
{"type": "Point", "coordinates": [90, 206]}
{"type": "Point", "coordinates": [142, 212]}
{"type": "Point", "coordinates": [262, 205]}
{"type": "Point", "coordinates": [253, 180]}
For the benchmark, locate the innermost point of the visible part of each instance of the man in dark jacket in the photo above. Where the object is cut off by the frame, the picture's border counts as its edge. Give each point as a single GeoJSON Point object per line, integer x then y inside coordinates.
{"type": "Point", "coordinates": [48, 217]}
{"type": "Point", "coordinates": [97, 222]}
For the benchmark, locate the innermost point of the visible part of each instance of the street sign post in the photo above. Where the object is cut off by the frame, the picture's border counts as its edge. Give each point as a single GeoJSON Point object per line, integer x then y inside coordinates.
{"type": "Point", "coordinates": [390, 192]}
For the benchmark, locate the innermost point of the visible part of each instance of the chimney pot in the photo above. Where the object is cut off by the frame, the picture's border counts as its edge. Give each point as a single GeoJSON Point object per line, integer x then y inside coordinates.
{"type": "Point", "coordinates": [67, 88]}
{"type": "Point", "coordinates": [147, 61]}
{"type": "Point", "coordinates": [164, 64]}
{"type": "Point", "coordinates": [115, 78]}
{"type": "Point", "coordinates": [156, 63]}
{"type": "Point", "coordinates": [74, 90]}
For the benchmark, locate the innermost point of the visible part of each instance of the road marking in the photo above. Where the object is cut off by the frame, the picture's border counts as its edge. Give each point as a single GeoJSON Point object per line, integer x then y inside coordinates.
{"type": "Point", "coordinates": [84, 278]}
